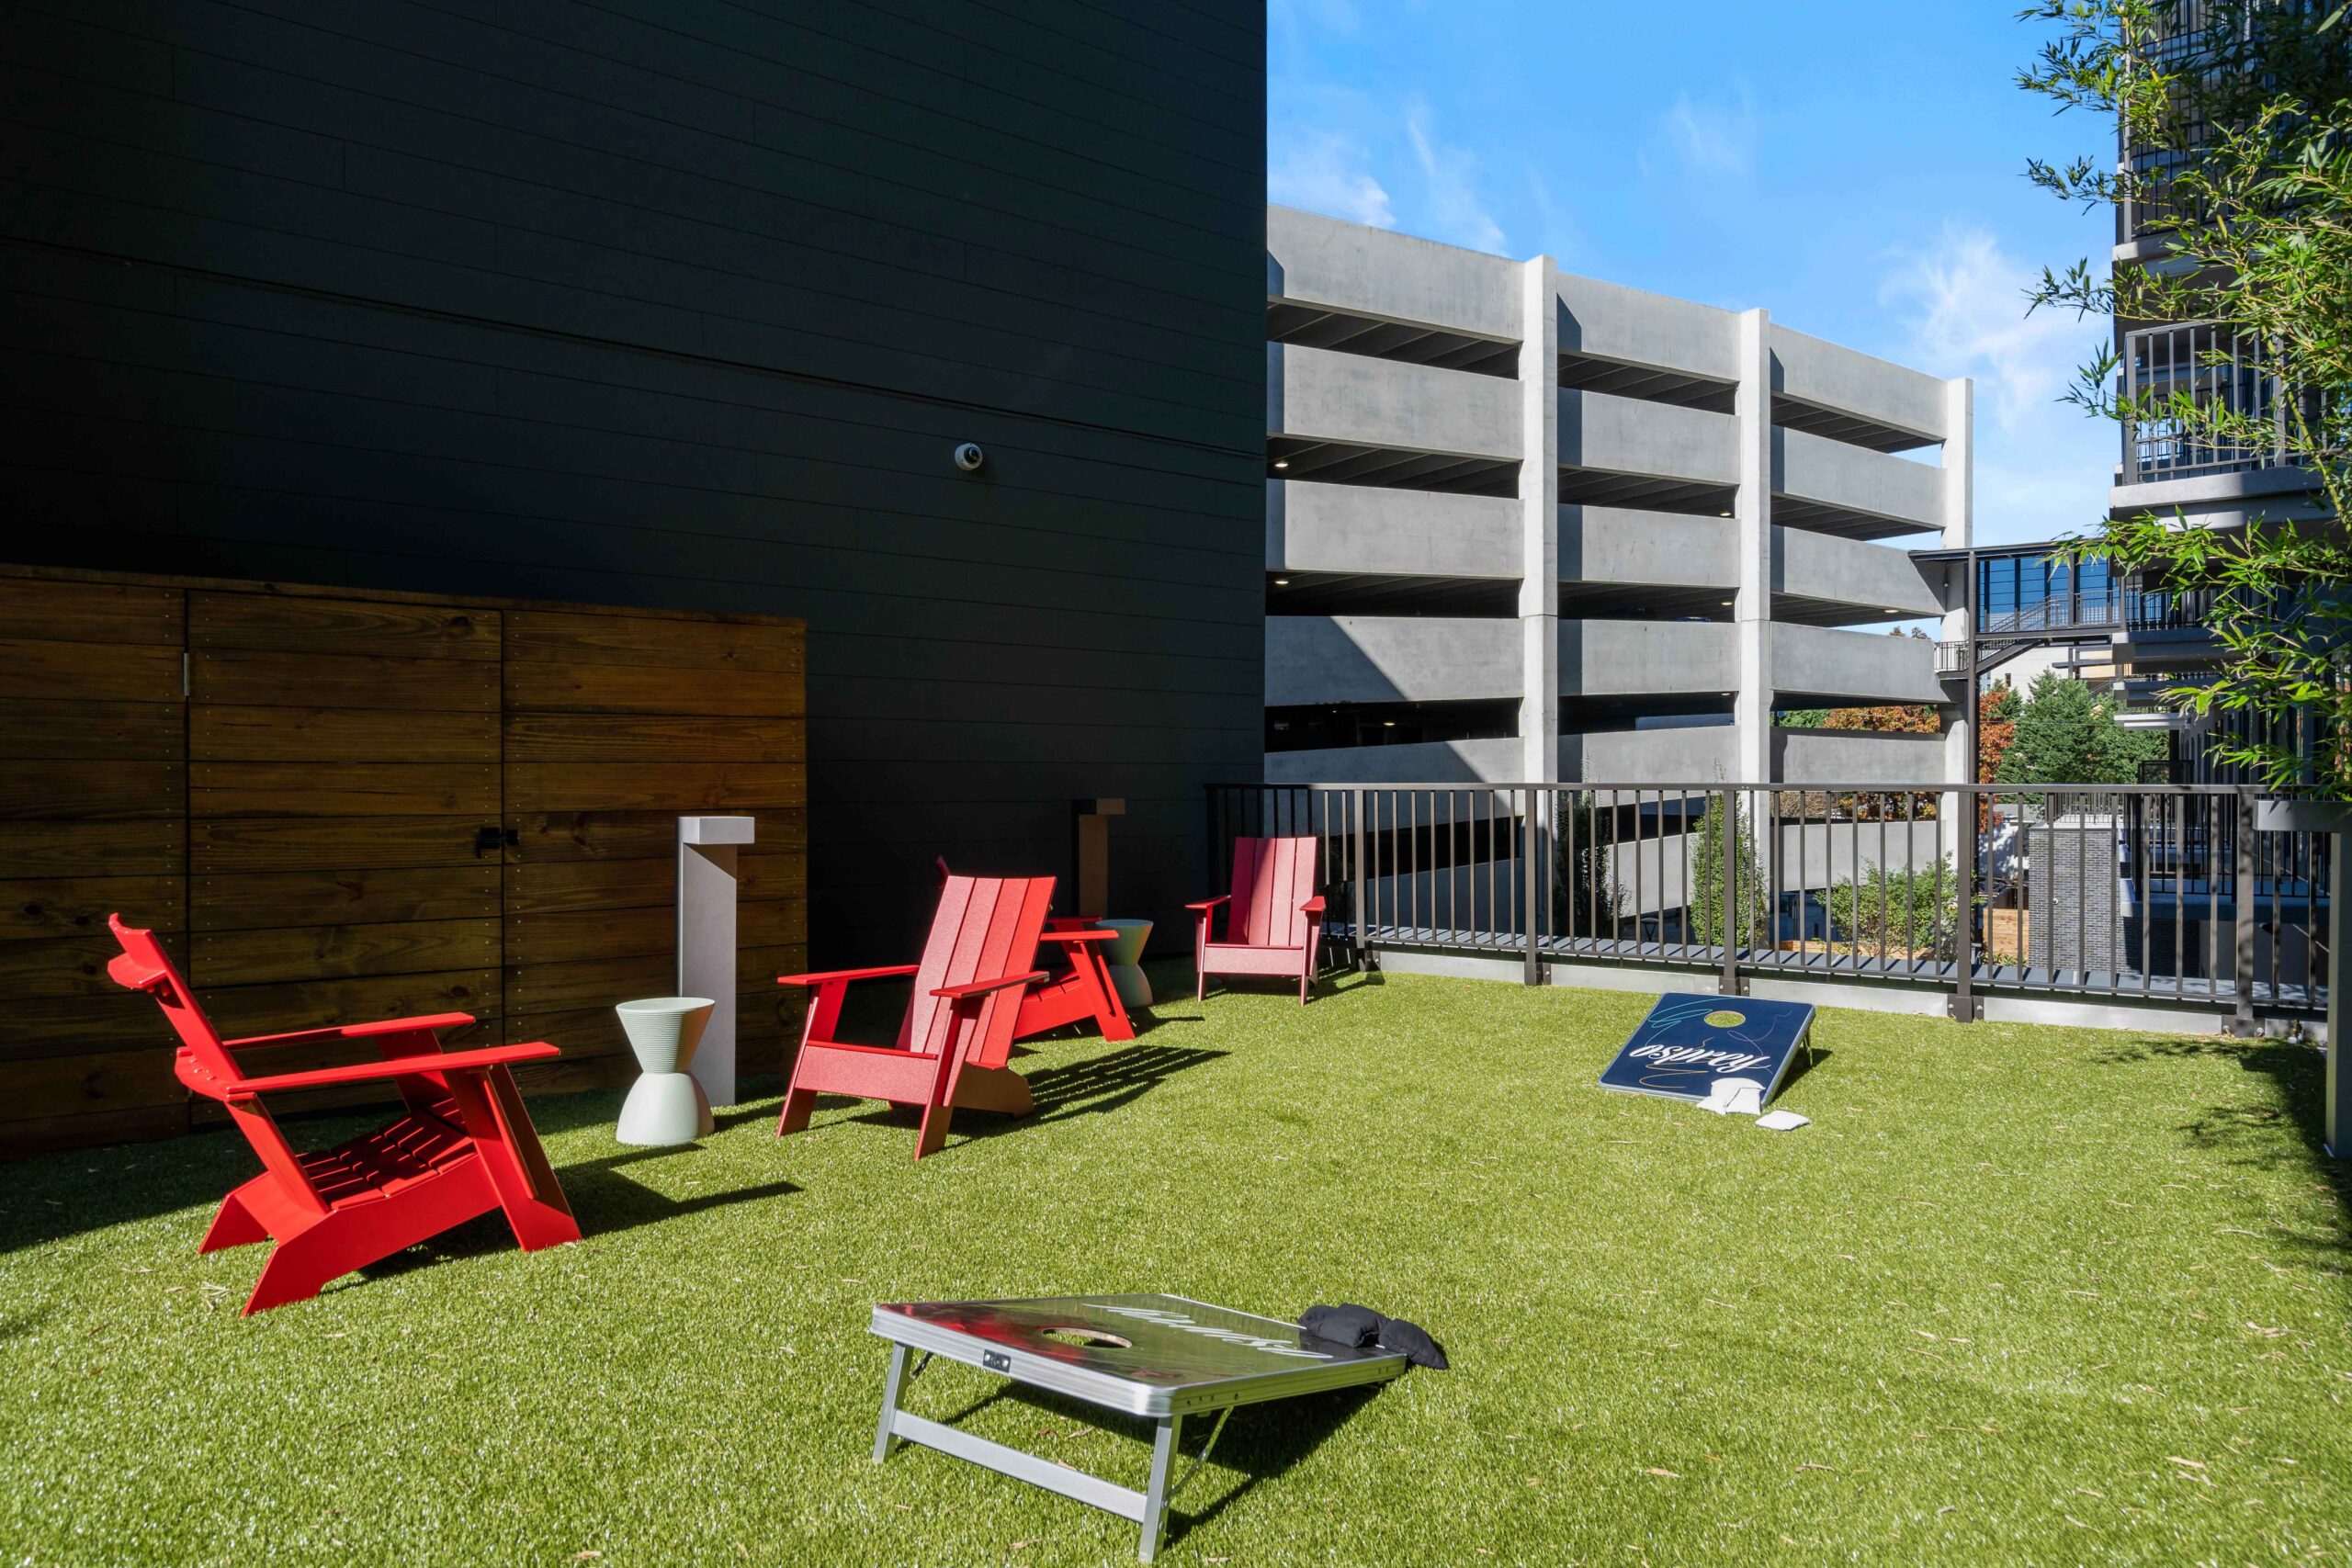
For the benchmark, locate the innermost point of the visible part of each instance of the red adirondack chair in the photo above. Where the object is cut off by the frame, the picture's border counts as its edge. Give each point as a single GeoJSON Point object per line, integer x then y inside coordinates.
{"type": "Point", "coordinates": [1274, 917]}
{"type": "Point", "coordinates": [958, 1033]}
{"type": "Point", "coordinates": [465, 1148]}
{"type": "Point", "coordinates": [1083, 991]}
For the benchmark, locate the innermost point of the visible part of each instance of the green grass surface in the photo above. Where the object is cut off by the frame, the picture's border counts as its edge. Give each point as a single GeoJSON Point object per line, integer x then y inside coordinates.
{"type": "Point", "coordinates": [2019, 1295]}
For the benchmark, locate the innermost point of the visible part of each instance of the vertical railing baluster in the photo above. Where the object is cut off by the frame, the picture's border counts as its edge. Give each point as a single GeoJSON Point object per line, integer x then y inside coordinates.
{"type": "Point", "coordinates": [1729, 841]}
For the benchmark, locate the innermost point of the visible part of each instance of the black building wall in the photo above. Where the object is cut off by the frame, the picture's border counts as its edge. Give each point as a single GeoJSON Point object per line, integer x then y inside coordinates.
{"type": "Point", "coordinates": [684, 303]}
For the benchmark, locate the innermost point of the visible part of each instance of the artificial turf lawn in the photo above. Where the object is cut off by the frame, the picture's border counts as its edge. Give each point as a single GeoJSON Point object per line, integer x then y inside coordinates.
{"type": "Point", "coordinates": [2019, 1294]}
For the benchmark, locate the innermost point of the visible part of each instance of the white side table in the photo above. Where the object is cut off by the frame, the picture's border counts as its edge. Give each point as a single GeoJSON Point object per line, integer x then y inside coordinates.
{"type": "Point", "coordinates": [1123, 954]}
{"type": "Point", "coordinates": [665, 1106]}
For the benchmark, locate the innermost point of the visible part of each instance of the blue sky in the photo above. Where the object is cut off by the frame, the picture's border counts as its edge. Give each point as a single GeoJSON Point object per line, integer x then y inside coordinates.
{"type": "Point", "coordinates": [1855, 168]}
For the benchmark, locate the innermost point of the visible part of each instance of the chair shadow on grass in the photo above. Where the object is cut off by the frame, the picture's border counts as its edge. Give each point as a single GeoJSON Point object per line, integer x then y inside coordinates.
{"type": "Point", "coordinates": [1091, 1088]}
{"type": "Point", "coordinates": [1259, 1443]}
{"type": "Point", "coordinates": [602, 1200]}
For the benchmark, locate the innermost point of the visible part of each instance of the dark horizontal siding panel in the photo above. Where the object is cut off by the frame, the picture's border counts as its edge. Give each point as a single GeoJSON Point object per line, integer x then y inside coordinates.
{"type": "Point", "coordinates": [886, 300]}
{"type": "Point", "coordinates": [432, 408]}
{"type": "Point", "coordinates": [58, 97]}
{"type": "Point", "coordinates": [165, 184]}
{"type": "Point", "coordinates": [718, 45]}
{"type": "Point", "coordinates": [730, 231]}
{"type": "Point", "coordinates": [623, 294]}
{"type": "Point", "coordinates": [46, 325]}
{"type": "Point", "coordinates": [975, 39]}
{"type": "Point", "coordinates": [1014, 710]}
{"type": "Point", "coordinates": [588, 53]}
{"type": "Point", "coordinates": [55, 41]}
{"type": "Point", "coordinates": [843, 210]}
{"type": "Point", "coordinates": [1024, 568]}
{"type": "Point", "coordinates": [376, 89]}
{"type": "Point", "coordinates": [795, 414]}
{"type": "Point", "coordinates": [556, 462]}
{"type": "Point", "coordinates": [204, 534]}
{"type": "Point", "coordinates": [1040, 662]}
{"type": "Point", "coordinates": [873, 737]}
{"type": "Point", "coordinates": [1078, 41]}
{"type": "Point", "coordinates": [843, 122]}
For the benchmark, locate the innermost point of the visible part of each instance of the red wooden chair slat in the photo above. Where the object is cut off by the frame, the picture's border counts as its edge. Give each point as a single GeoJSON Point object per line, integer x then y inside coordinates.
{"type": "Point", "coordinates": [958, 1029]}
{"type": "Point", "coordinates": [465, 1148]}
{"type": "Point", "coordinates": [1083, 990]}
{"type": "Point", "coordinates": [1274, 917]}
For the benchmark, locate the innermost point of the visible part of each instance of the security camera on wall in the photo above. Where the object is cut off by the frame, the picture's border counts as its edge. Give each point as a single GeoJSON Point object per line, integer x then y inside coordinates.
{"type": "Point", "coordinates": [969, 457]}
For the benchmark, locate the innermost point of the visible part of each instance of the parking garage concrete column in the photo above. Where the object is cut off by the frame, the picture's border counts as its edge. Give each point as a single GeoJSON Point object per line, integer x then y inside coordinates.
{"type": "Point", "coordinates": [1752, 517]}
{"type": "Point", "coordinates": [1539, 499]}
{"type": "Point", "coordinates": [1959, 506]}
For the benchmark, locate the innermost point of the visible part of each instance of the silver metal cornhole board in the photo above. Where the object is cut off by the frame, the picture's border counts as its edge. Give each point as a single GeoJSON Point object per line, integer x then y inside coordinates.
{"type": "Point", "coordinates": [1162, 1358]}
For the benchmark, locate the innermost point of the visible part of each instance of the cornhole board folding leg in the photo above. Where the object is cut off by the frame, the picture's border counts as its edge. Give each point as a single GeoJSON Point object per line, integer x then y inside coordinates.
{"type": "Point", "coordinates": [1148, 1508]}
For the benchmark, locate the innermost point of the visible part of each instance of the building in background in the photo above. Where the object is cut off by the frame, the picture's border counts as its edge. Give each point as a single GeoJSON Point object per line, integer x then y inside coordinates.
{"type": "Point", "coordinates": [695, 314]}
{"type": "Point", "coordinates": [2162, 469]}
{"type": "Point", "coordinates": [1523, 525]}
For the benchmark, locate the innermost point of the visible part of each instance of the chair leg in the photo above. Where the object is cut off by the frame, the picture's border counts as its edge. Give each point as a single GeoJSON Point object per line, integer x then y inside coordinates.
{"type": "Point", "coordinates": [234, 1226]}
{"type": "Point", "coordinates": [508, 1146]}
{"type": "Point", "coordinates": [939, 1105]}
{"type": "Point", "coordinates": [305, 1263]}
{"type": "Point", "coordinates": [1110, 1012]}
{"type": "Point", "coordinates": [797, 1105]}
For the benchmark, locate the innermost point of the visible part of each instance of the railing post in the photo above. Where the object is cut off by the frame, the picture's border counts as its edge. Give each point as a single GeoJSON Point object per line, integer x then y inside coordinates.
{"type": "Point", "coordinates": [2241, 1021]}
{"type": "Point", "coordinates": [1727, 841]}
{"type": "Point", "coordinates": [1356, 905]}
{"type": "Point", "coordinates": [1964, 996]}
{"type": "Point", "coordinates": [1531, 972]}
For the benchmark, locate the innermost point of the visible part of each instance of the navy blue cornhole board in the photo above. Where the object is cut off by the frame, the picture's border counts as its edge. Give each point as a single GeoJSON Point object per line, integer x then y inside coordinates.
{"type": "Point", "coordinates": [1678, 1053]}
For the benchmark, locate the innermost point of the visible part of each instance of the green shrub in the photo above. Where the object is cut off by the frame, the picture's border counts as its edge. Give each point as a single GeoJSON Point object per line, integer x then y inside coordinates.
{"type": "Point", "coordinates": [1912, 911]}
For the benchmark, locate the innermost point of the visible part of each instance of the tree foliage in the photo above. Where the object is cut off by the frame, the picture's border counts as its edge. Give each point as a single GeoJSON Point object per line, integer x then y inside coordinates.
{"type": "Point", "coordinates": [1901, 719]}
{"type": "Point", "coordinates": [1912, 913]}
{"type": "Point", "coordinates": [1704, 900]}
{"type": "Point", "coordinates": [1996, 729]}
{"type": "Point", "coordinates": [2065, 733]}
{"type": "Point", "coordinates": [2239, 115]}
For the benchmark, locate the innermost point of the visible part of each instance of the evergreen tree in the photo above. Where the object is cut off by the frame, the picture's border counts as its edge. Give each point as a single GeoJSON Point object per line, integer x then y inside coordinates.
{"type": "Point", "coordinates": [2067, 734]}
{"type": "Point", "coordinates": [1704, 900]}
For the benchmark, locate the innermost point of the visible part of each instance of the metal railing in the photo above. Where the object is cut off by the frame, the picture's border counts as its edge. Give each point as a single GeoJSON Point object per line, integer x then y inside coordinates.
{"type": "Point", "coordinates": [2159, 893]}
{"type": "Point", "coordinates": [2215, 368]}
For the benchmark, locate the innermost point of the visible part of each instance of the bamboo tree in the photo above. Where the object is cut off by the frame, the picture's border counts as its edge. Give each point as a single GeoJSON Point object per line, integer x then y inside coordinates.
{"type": "Point", "coordinates": [2239, 113]}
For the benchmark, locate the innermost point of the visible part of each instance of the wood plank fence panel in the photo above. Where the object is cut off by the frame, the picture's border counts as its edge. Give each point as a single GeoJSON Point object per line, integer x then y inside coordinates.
{"type": "Point", "coordinates": [615, 728]}
{"type": "Point", "coordinates": [339, 807]}
{"type": "Point", "coordinates": [369, 683]}
{"type": "Point", "coordinates": [93, 818]}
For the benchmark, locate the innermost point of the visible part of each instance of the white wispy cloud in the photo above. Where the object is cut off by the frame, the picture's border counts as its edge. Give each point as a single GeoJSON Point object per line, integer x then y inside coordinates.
{"type": "Point", "coordinates": [1326, 172]}
{"type": "Point", "coordinates": [1963, 304]}
{"type": "Point", "coordinates": [1714, 137]}
{"type": "Point", "coordinates": [1459, 215]}
{"type": "Point", "coordinates": [2042, 466]}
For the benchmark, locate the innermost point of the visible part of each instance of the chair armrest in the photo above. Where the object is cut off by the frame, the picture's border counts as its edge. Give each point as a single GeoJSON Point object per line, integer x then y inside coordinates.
{"type": "Point", "coordinates": [1209, 904]}
{"type": "Point", "coordinates": [1069, 922]}
{"type": "Point", "coordinates": [827, 976]}
{"type": "Point", "coordinates": [1313, 906]}
{"type": "Point", "coordinates": [982, 987]}
{"type": "Point", "coordinates": [429, 1022]}
{"type": "Point", "coordinates": [396, 1067]}
{"type": "Point", "coordinates": [1077, 936]}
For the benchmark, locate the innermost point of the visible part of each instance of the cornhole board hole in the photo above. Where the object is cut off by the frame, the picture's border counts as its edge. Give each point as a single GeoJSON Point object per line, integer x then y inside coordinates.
{"type": "Point", "coordinates": [1161, 1358]}
{"type": "Point", "coordinates": [1688, 1042]}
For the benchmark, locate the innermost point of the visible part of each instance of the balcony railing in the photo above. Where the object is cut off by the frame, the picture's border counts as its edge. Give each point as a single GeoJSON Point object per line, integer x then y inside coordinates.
{"type": "Point", "coordinates": [2216, 368]}
{"type": "Point", "coordinates": [2154, 893]}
